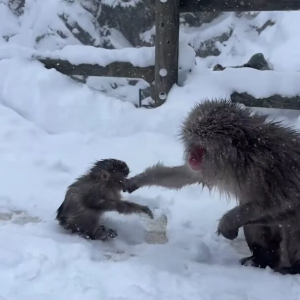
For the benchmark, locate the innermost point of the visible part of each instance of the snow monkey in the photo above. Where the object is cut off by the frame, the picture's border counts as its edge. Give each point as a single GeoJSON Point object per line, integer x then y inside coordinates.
{"type": "Point", "coordinates": [94, 193]}
{"type": "Point", "coordinates": [247, 158]}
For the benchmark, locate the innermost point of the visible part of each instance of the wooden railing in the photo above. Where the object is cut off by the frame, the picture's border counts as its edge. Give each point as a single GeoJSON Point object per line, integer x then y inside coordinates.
{"type": "Point", "coordinates": [164, 72]}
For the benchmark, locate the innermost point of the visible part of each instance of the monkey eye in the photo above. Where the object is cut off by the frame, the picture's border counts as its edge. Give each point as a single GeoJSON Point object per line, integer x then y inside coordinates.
{"type": "Point", "coordinates": [104, 176]}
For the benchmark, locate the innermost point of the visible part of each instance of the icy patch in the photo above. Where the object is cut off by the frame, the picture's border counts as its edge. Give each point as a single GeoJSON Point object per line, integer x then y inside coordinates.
{"type": "Point", "coordinates": [17, 217]}
{"type": "Point", "coordinates": [156, 228]}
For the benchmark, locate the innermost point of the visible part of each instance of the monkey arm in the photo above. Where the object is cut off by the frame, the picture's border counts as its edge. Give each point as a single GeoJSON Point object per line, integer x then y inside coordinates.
{"type": "Point", "coordinates": [122, 207]}
{"type": "Point", "coordinates": [250, 213]}
{"type": "Point", "coordinates": [160, 175]}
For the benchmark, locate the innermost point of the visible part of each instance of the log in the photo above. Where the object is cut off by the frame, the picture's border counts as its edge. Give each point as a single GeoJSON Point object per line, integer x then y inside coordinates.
{"type": "Point", "coordinates": [275, 101]}
{"type": "Point", "coordinates": [166, 48]}
{"type": "Point", "coordinates": [116, 69]}
{"type": "Point", "coordinates": [238, 5]}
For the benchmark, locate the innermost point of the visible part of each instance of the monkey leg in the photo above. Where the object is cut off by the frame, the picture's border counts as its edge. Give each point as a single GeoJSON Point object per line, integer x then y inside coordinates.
{"type": "Point", "coordinates": [87, 226]}
{"type": "Point", "coordinates": [264, 243]}
{"type": "Point", "coordinates": [291, 237]}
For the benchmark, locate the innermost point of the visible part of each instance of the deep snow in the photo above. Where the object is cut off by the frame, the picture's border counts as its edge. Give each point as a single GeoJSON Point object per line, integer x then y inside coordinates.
{"type": "Point", "coordinates": [52, 129]}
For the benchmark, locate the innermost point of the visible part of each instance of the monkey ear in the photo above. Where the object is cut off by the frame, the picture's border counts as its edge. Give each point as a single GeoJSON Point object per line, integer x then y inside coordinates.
{"type": "Point", "coordinates": [104, 175]}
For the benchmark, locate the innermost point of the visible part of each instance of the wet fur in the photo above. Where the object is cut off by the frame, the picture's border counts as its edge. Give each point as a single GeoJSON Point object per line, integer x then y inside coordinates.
{"type": "Point", "coordinates": [254, 161]}
{"type": "Point", "coordinates": [96, 192]}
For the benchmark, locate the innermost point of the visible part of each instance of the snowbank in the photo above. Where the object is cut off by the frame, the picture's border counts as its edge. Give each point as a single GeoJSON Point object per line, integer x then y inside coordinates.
{"type": "Point", "coordinates": [28, 88]}
{"type": "Point", "coordinates": [80, 54]}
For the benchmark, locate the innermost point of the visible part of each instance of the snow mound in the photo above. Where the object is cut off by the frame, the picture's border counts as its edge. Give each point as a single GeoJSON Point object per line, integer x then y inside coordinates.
{"type": "Point", "coordinates": [80, 54]}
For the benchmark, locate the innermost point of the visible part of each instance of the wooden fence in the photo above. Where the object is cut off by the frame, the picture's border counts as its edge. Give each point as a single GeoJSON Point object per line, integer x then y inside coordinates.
{"type": "Point", "coordinates": [164, 74]}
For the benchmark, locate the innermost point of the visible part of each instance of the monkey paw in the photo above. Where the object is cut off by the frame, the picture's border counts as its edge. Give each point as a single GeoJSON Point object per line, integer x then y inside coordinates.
{"type": "Point", "coordinates": [248, 261]}
{"type": "Point", "coordinates": [130, 186]}
{"type": "Point", "coordinates": [111, 234]}
{"type": "Point", "coordinates": [146, 210]}
{"type": "Point", "coordinates": [226, 229]}
{"type": "Point", "coordinates": [105, 234]}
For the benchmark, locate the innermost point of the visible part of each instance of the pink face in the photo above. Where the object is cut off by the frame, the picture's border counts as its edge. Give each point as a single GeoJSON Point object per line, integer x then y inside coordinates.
{"type": "Point", "coordinates": [196, 157]}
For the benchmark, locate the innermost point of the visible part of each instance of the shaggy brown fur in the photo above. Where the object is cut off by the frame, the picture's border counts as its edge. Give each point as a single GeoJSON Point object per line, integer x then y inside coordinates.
{"type": "Point", "coordinates": [255, 161]}
{"type": "Point", "coordinates": [93, 194]}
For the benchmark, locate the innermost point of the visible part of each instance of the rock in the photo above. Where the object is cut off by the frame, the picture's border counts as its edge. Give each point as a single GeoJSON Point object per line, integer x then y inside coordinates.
{"type": "Point", "coordinates": [257, 61]}
{"type": "Point", "coordinates": [208, 47]}
{"type": "Point", "coordinates": [17, 6]}
{"type": "Point", "coordinates": [121, 18]}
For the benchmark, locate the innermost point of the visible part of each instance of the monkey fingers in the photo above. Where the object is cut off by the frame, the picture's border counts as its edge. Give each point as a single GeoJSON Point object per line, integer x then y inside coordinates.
{"type": "Point", "coordinates": [130, 186]}
{"type": "Point", "coordinates": [112, 234]}
{"type": "Point", "coordinates": [228, 226]}
{"type": "Point", "coordinates": [228, 234]}
{"type": "Point", "coordinates": [104, 234]}
{"type": "Point", "coordinates": [147, 211]}
{"type": "Point", "coordinates": [247, 261]}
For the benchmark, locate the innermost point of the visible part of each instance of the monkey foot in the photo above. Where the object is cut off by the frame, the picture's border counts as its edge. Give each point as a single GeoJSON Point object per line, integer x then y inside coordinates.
{"type": "Point", "coordinates": [247, 261]}
{"type": "Point", "coordinates": [251, 261]}
{"type": "Point", "coordinates": [109, 234]}
{"type": "Point", "coordinates": [103, 234]}
{"type": "Point", "coordinates": [293, 270]}
{"type": "Point", "coordinates": [284, 270]}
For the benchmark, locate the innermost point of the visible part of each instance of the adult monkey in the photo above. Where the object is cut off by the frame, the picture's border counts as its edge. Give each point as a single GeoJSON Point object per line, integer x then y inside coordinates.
{"type": "Point", "coordinates": [258, 162]}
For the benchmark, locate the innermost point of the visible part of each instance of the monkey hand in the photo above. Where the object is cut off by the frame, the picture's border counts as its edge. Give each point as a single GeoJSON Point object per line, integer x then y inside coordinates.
{"type": "Point", "coordinates": [130, 186]}
{"type": "Point", "coordinates": [227, 227]}
{"type": "Point", "coordinates": [112, 234]}
{"type": "Point", "coordinates": [146, 210]}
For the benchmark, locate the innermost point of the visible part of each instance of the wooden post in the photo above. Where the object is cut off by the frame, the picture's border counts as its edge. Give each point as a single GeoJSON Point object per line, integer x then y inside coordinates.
{"type": "Point", "coordinates": [166, 48]}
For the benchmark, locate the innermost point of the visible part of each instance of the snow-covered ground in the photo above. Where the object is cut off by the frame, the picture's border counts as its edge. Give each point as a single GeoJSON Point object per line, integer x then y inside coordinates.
{"type": "Point", "coordinates": [52, 129]}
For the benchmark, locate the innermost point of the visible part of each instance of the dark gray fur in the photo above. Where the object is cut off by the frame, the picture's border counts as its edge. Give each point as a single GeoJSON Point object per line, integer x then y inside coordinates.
{"type": "Point", "coordinates": [94, 193]}
{"type": "Point", "coordinates": [255, 161]}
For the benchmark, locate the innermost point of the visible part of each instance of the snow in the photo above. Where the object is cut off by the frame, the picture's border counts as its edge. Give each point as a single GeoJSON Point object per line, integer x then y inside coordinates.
{"type": "Point", "coordinates": [52, 129]}
{"type": "Point", "coordinates": [79, 54]}
{"type": "Point", "coordinates": [114, 3]}
{"type": "Point", "coordinates": [139, 57]}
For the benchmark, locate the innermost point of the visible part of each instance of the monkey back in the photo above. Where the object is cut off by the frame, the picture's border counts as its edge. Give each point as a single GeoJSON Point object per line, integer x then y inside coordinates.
{"type": "Point", "coordinates": [112, 166]}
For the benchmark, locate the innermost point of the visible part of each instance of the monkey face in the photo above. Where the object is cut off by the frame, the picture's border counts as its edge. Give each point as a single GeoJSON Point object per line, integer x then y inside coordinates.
{"type": "Point", "coordinates": [114, 180]}
{"type": "Point", "coordinates": [117, 180]}
{"type": "Point", "coordinates": [195, 157]}
{"type": "Point", "coordinates": [209, 134]}
{"type": "Point", "coordinates": [110, 171]}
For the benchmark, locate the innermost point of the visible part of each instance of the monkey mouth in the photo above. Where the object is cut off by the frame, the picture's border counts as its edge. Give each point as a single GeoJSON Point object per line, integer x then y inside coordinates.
{"type": "Point", "coordinates": [196, 158]}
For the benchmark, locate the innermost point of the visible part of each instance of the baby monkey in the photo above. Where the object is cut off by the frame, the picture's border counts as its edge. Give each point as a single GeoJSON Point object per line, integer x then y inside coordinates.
{"type": "Point", "coordinates": [96, 192]}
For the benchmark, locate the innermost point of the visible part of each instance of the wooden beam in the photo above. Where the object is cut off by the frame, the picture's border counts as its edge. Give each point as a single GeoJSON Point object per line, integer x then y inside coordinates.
{"type": "Point", "coordinates": [116, 69]}
{"type": "Point", "coordinates": [238, 5]}
{"type": "Point", "coordinates": [166, 48]}
{"type": "Point", "coordinates": [275, 101]}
